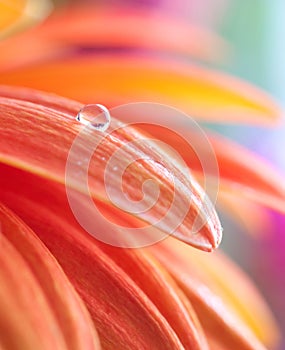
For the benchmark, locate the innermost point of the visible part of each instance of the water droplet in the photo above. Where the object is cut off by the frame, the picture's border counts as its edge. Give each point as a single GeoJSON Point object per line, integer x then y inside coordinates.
{"type": "Point", "coordinates": [95, 115]}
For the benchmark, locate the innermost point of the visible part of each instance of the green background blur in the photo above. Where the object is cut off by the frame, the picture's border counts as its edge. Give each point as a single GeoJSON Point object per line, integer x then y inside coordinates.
{"type": "Point", "coordinates": [256, 30]}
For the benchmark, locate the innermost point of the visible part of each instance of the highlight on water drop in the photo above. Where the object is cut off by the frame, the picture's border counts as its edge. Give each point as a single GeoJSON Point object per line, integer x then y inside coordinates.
{"type": "Point", "coordinates": [96, 116]}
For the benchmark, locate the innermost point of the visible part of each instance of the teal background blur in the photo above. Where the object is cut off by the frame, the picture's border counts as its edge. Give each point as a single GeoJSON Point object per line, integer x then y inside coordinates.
{"type": "Point", "coordinates": [256, 31]}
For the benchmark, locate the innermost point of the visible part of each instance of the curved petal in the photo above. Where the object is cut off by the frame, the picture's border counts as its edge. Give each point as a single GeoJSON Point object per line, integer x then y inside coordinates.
{"type": "Point", "coordinates": [117, 79]}
{"type": "Point", "coordinates": [206, 278]}
{"type": "Point", "coordinates": [123, 314]}
{"type": "Point", "coordinates": [172, 303]}
{"type": "Point", "coordinates": [216, 272]}
{"type": "Point", "coordinates": [250, 216]}
{"type": "Point", "coordinates": [76, 27]}
{"type": "Point", "coordinates": [240, 170]}
{"type": "Point", "coordinates": [146, 273]}
{"type": "Point", "coordinates": [39, 307]}
{"type": "Point", "coordinates": [45, 148]}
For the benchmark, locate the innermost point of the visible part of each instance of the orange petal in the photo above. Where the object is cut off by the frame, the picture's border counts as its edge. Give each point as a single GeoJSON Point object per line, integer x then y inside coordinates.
{"type": "Point", "coordinates": [111, 27]}
{"type": "Point", "coordinates": [216, 271]}
{"type": "Point", "coordinates": [172, 303]}
{"type": "Point", "coordinates": [10, 13]}
{"type": "Point", "coordinates": [123, 314]}
{"type": "Point", "coordinates": [45, 148]}
{"type": "Point", "coordinates": [127, 27]}
{"type": "Point", "coordinates": [253, 219]}
{"type": "Point", "coordinates": [63, 321]}
{"type": "Point", "coordinates": [140, 267]}
{"type": "Point", "coordinates": [227, 312]}
{"type": "Point", "coordinates": [116, 79]}
{"type": "Point", "coordinates": [241, 172]}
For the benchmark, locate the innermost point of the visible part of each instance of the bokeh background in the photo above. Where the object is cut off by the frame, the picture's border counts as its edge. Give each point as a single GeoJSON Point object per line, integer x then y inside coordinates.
{"type": "Point", "coordinates": [254, 31]}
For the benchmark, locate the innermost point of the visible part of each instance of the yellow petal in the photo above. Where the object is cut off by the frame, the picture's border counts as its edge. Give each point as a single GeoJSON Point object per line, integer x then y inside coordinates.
{"type": "Point", "coordinates": [16, 15]}
{"type": "Point", "coordinates": [117, 79]}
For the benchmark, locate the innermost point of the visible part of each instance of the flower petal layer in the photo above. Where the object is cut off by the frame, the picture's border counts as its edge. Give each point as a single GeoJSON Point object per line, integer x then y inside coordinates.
{"type": "Point", "coordinates": [39, 307]}
{"type": "Point", "coordinates": [124, 315]}
{"type": "Point", "coordinates": [213, 298]}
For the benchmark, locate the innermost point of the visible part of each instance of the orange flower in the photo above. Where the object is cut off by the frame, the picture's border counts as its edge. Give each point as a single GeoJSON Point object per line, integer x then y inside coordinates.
{"type": "Point", "coordinates": [59, 286]}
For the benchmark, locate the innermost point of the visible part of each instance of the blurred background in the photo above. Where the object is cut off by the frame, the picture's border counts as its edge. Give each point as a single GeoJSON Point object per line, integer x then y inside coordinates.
{"type": "Point", "coordinates": [254, 32]}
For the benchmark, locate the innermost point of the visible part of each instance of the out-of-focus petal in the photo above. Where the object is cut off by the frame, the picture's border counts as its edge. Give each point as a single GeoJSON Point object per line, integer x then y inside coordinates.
{"type": "Point", "coordinates": [111, 27]}
{"type": "Point", "coordinates": [243, 170]}
{"type": "Point", "coordinates": [39, 307]}
{"type": "Point", "coordinates": [240, 170]}
{"type": "Point", "coordinates": [17, 15]}
{"type": "Point", "coordinates": [117, 79]}
{"type": "Point", "coordinates": [250, 216]}
{"type": "Point", "coordinates": [239, 303]}
{"type": "Point", "coordinates": [127, 27]}
{"type": "Point", "coordinates": [10, 12]}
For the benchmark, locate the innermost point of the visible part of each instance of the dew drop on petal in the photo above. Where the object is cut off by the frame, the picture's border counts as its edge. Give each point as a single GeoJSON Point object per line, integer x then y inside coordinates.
{"type": "Point", "coordinates": [95, 115]}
